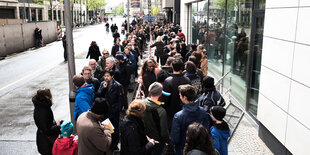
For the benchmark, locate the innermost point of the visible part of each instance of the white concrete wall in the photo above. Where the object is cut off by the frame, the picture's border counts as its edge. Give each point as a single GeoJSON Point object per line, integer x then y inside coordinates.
{"type": "Point", "coordinates": [186, 20]}
{"type": "Point", "coordinates": [284, 99]}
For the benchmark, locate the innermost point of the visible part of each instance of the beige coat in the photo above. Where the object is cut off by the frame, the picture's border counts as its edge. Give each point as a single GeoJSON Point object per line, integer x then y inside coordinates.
{"type": "Point", "coordinates": [204, 66]}
{"type": "Point", "coordinates": [93, 139]}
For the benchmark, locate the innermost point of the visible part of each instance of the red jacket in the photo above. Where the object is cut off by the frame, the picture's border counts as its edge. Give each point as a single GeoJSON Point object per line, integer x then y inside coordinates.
{"type": "Point", "coordinates": [65, 146]}
{"type": "Point", "coordinates": [180, 34]}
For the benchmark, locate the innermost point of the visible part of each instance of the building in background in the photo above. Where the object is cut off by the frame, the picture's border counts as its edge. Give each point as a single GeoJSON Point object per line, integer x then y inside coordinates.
{"type": "Point", "coordinates": [264, 46]}
{"type": "Point", "coordinates": [29, 11]}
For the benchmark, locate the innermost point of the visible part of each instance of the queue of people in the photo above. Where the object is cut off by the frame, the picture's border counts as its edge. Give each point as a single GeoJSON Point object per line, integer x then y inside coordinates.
{"type": "Point", "coordinates": [182, 112]}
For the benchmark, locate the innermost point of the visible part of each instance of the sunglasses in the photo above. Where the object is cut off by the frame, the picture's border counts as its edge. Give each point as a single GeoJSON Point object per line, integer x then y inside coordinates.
{"type": "Point", "coordinates": [106, 53]}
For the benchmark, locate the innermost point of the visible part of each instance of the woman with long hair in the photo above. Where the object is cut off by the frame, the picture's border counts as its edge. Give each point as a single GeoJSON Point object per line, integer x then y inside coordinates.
{"type": "Point", "coordinates": [134, 140]}
{"type": "Point", "coordinates": [148, 75]}
{"type": "Point", "coordinates": [93, 51]}
{"type": "Point", "coordinates": [198, 141]}
{"type": "Point", "coordinates": [48, 130]}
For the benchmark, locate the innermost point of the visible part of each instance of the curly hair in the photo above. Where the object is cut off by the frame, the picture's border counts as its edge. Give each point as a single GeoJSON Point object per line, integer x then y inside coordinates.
{"type": "Point", "coordinates": [197, 137]}
{"type": "Point", "coordinates": [44, 95]}
{"type": "Point", "coordinates": [136, 108]}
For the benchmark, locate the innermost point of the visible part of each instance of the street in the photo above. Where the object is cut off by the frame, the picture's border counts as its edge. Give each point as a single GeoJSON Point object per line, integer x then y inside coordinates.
{"type": "Point", "coordinates": [22, 74]}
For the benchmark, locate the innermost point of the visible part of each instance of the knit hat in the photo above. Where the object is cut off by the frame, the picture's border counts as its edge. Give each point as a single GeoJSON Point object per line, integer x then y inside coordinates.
{"type": "Point", "coordinates": [66, 129]}
{"type": "Point", "coordinates": [218, 112]}
{"type": "Point", "coordinates": [119, 57]}
{"type": "Point", "coordinates": [155, 89]}
{"type": "Point", "coordinates": [100, 106]}
{"type": "Point", "coordinates": [208, 82]}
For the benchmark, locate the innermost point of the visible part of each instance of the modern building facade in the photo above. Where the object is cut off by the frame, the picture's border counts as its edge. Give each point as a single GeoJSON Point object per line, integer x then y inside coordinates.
{"type": "Point", "coordinates": [263, 46]}
{"type": "Point", "coordinates": [29, 11]}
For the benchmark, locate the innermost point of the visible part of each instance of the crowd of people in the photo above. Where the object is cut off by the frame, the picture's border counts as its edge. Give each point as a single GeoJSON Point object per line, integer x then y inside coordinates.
{"type": "Point", "coordinates": [181, 111]}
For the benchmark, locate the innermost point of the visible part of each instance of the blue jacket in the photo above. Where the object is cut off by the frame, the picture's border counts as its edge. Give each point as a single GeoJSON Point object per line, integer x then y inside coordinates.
{"type": "Point", "coordinates": [133, 61]}
{"type": "Point", "coordinates": [84, 99]}
{"type": "Point", "coordinates": [182, 119]}
{"type": "Point", "coordinates": [220, 134]}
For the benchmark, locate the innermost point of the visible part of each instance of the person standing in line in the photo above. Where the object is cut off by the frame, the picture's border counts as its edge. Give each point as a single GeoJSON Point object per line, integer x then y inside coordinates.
{"type": "Point", "coordinates": [171, 96]}
{"type": "Point", "coordinates": [155, 119]}
{"type": "Point", "coordinates": [94, 137]}
{"type": "Point", "coordinates": [117, 47]}
{"type": "Point", "coordinates": [159, 52]}
{"type": "Point", "coordinates": [101, 62]}
{"type": "Point", "coordinates": [114, 94]}
{"type": "Point", "coordinates": [220, 131]}
{"type": "Point", "coordinates": [85, 95]}
{"type": "Point", "coordinates": [48, 129]}
{"type": "Point", "coordinates": [86, 72]}
{"type": "Point", "coordinates": [93, 51]}
{"type": "Point", "coordinates": [66, 144]}
{"type": "Point", "coordinates": [148, 75]}
{"type": "Point", "coordinates": [190, 113]}
{"type": "Point", "coordinates": [97, 71]}
{"type": "Point", "coordinates": [134, 140]}
{"type": "Point", "coordinates": [198, 141]}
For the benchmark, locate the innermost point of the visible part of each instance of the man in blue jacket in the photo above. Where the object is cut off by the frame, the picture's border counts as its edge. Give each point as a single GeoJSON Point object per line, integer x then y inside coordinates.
{"type": "Point", "coordinates": [85, 95]}
{"type": "Point", "coordinates": [190, 113]}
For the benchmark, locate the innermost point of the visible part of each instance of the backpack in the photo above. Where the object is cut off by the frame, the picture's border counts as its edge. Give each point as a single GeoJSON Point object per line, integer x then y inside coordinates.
{"type": "Point", "coordinates": [210, 99]}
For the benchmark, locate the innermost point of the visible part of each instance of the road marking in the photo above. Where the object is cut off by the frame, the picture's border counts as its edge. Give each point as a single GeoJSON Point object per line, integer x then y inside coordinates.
{"type": "Point", "coordinates": [29, 75]}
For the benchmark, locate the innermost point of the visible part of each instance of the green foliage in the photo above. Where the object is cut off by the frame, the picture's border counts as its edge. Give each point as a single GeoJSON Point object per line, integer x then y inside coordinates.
{"type": "Point", "coordinates": [40, 2]}
{"type": "Point", "coordinates": [119, 10]}
{"type": "Point", "coordinates": [231, 4]}
{"type": "Point", "coordinates": [154, 10]}
{"type": "Point", "coordinates": [96, 4]}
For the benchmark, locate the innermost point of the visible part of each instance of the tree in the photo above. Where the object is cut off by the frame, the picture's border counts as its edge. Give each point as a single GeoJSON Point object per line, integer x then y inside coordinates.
{"type": "Point", "coordinates": [154, 10]}
{"type": "Point", "coordinates": [95, 5]}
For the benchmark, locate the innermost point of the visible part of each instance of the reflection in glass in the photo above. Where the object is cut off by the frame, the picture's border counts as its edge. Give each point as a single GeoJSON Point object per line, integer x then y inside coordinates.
{"type": "Point", "coordinates": [257, 55]}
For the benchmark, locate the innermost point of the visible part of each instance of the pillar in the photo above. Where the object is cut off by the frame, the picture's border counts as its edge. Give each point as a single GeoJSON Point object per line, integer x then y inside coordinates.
{"type": "Point", "coordinates": [17, 12]}
{"type": "Point", "coordinates": [37, 14]}
{"type": "Point", "coordinates": [29, 13]}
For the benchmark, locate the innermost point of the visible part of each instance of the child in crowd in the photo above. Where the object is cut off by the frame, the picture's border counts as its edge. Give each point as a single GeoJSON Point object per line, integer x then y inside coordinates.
{"type": "Point", "coordinates": [66, 144]}
{"type": "Point", "coordinates": [220, 131]}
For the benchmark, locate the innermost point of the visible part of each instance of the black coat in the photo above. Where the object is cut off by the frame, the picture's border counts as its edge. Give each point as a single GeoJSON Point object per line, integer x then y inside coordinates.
{"type": "Point", "coordinates": [125, 72]}
{"type": "Point", "coordinates": [114, 95]}
{"type": "Point", "coordinates": [148, 78]}
{"type": "Point", "coordinates": [47, 128]}
{"type": "Point", "coordinates": [159, 52]}
{"type": "Point", "coordinates": [173, 103]}
{"type": "Point", "coordinates": [133, 137]}
{"type": "Point", "coordinates": [115, 48]}
{"type": "Point", "coordinates": [93, 52]}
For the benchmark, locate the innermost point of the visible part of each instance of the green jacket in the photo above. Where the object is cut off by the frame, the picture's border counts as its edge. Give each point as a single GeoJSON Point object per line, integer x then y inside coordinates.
{"type": "Point", "coordinates": [151, 129]}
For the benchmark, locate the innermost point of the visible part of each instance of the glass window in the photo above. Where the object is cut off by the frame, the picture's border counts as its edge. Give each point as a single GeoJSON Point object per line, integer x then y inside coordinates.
{"type": "Point", "coordinates": [33, 14]}
{"type": "Point", "coordinates": [40, 14]}
{"type": "Point", "coordinates": [237, 48]}
{"type": "Point", "coordinates": [257, 56]}
{"type": "Point", "coordinates": [50, 14]}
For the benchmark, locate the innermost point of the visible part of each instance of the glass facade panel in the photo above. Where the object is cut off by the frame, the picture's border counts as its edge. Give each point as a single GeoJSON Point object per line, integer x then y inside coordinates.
{"type": "Point", "coordinates": [33, 14]}
{"type": "Point", "coordinates": [257, 56]}
{"type": "Point", "coordinates": [225, 31]}
{"type": "Point", "coordinates": [40, 14]}
{"type": "Point", "coordinates": [238, 30]}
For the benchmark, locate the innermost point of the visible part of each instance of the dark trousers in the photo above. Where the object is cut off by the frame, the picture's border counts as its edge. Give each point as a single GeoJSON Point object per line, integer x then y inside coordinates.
{"type": "Point", "coordinates": [38, 42]}
{"type": "Point", "coordinates": [115, 121]}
